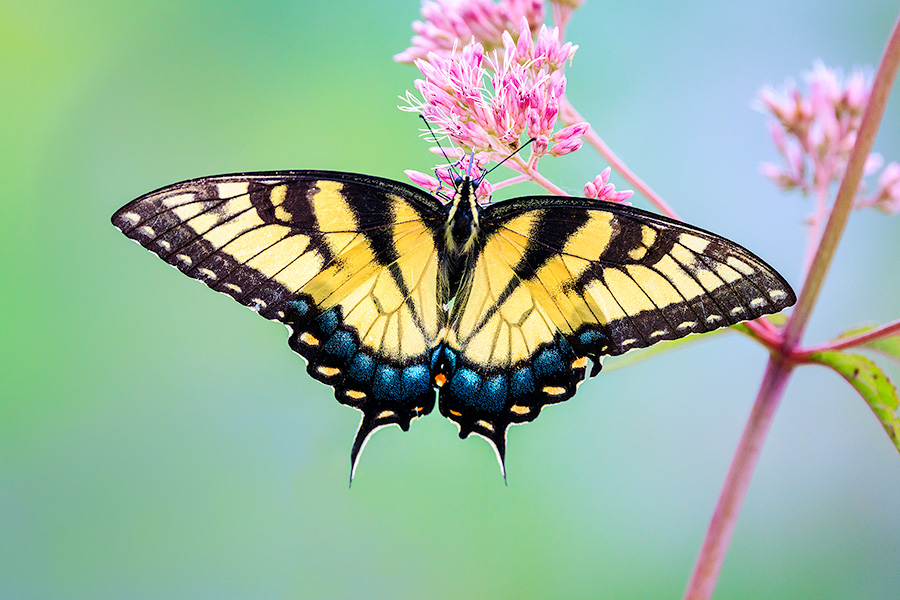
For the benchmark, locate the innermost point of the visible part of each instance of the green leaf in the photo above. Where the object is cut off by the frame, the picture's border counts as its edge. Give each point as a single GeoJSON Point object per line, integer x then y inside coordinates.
{"type": "Point", "coordinates": [871, 383]}
{"type": "Point", "coordinates": [778, 319]}
{"type": "Point", "coordinates": [889, 346]}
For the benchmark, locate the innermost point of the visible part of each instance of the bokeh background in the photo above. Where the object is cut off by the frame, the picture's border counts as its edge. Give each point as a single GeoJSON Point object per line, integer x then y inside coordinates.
{"type": "Point", "coordinates": [157, 440]}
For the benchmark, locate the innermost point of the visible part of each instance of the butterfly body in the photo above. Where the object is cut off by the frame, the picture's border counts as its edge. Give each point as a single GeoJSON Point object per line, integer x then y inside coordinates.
{"type": "Point", "coordinates": [398, 299]}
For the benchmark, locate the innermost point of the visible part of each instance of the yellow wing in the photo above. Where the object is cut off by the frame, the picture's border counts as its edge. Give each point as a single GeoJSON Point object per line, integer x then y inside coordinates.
{"type": "Point", "coordinates": [348, 262]}
{"type": "Point", "coordinates": [558, 281]}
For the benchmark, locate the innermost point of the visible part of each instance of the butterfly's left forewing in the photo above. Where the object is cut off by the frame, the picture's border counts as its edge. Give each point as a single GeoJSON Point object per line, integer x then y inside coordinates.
{"type": "Point", "coordinates": [348, 262]}
{"type": "Point", "coordinates": [557, 282]}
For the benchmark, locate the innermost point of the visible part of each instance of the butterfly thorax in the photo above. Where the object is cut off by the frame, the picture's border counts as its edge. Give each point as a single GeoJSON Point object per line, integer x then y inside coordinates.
{"type": "Point", "coordinates": [461, 232]}
{"type": "Point", "coordinates": [462, 219]}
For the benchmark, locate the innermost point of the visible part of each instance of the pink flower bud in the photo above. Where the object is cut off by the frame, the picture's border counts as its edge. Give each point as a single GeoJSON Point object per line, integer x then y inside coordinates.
{"type": "Point", "coordinates": [771, 171]}
{"type": "Point", "coordinates": [778, 136]}
{"type": "Point", "coordinates": [572, 131]}
{"type": "Point", "coordinates": [566, 147]}
{"type": "Point", "coordinates": [539, 145]}
{"type": "Point", "coordinates": [857, 92]}
{"type": "Point", "coordinates": [525, 45]}
{"type": "Point", "coordinates": [483, 192]}
{"type": "Point", "coordinates": [601, 189]}
{"type": "Point", "coordinates": [423, 180]}
{"type": "Point", "coordinates": [890, 177]}
{"type": "Point", "coordinates": [873, 163]}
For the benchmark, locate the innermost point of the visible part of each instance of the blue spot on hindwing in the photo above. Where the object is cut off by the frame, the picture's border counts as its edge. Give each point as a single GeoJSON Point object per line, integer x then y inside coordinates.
{"type": "Point", "coordinates": [362, 368]}
{"type": "Point", "coordinates": [492, 394]}
{"type": "Point", "coordinates": [548, 362]}
{"type": "Point", "coordinates": [521, 382]}
{"type": "Point", "coordinates": [301, 307]}
{"type": "Point", "coordinates": [386, 382]}
{"type": "Point", "coordinates": [464, 383]}
{"type": "Point", "coordinates": [593, 342]}
{"type": "Point", "coordinates": [341, 344]}
{"type": "Point", "coordinates": [328, 321]}
{"type": "Point", "coordinates": [416, 380]}
{"type": "Point", "coordinates": [590, 337]}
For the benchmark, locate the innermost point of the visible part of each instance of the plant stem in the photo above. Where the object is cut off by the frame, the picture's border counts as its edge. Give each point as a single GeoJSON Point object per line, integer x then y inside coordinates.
{"type": "Point", "coordinates": [892, 328]}
{"type": "Point", "coordinates": [763, 332]}
{"type": "Point", "coordinates": [511, 181]}
{"type": "Point", "coordinates": [843, 204]}
{"type": "Point", "coordinates": [706, 571]}
{"type": "Point", "coordinates": [817, 221]}
{"type": "Point", "coordinates": [570, 116]}
{"type": "Point", "coordinates": [718, 536]}
{"type": "Point", "coordinates": [527, 169]}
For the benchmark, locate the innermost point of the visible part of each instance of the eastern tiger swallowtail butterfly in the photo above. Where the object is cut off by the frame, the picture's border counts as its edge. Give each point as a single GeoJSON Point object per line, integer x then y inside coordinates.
{"type": "Point", "coordinates": [396, 298]}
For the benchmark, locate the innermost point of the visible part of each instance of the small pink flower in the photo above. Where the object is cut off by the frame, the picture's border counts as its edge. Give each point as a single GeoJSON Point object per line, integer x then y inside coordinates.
{"type": "Point", "coordinates": [483, 192]}
{"type": "Point", "coordinates": [887, 198]}
{"type": "Point", "coordinates": [565, 147]}
{"type": "Point", "coordinates": [540, 144]}
{"type": "Point", "coordinates": [568, 139]}
{"type": "Point", "coordinates": [448, 22]}
{"type": "Point", "coordinates": [601, 189]}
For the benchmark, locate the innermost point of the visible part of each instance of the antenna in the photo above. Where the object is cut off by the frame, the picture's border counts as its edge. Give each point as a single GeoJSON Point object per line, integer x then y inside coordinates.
{"type": "Point", "coordinates": [450, 164]}
{"type": "Point", "coordinates": [516, 151]}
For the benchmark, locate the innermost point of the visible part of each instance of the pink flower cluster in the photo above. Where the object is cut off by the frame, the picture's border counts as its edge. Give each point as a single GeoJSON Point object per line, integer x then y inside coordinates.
{"type": "Point", "coordinates": [486, 102]}
{"type": "Point", "coordinates": [601, 189]}
{"type": "Point", "coordinates": [814, 134]}
{"type": "Point", "coordinates": [448, 21]}
{"type": "Point", "coordinates": [493, 77]}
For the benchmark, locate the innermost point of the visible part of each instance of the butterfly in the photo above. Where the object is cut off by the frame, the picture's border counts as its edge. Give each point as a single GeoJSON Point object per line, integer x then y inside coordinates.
{"type": "Point", "coordinates": [397, 298]}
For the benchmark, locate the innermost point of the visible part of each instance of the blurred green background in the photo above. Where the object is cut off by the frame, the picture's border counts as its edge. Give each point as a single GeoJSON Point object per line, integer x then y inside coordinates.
{"type": "Point", "coordinates": [157, 440]}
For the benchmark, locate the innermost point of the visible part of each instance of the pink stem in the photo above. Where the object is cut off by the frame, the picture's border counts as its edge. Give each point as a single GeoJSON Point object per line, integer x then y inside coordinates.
{"type": "Point", "coordinates": [706, 571]}
{"type": "Point", "coordinates": [818, 221]}
{"type": "Point", "coordinates": [570, 116]}
{"type": "Point", "coordinates": [533, 174]}
{"type": "Point", "coordinates": [878, 333]}
{"type": "Point", "coordinates": [765, 333]}
{"type": "Point", "coordinates": [511, 181]}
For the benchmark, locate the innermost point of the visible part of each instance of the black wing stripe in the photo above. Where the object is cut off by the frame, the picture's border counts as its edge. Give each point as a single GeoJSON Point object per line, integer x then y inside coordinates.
{"type": "Point", "coordinates": [530, 273]}
{"type": "Point", "coordinates": [519, 271]}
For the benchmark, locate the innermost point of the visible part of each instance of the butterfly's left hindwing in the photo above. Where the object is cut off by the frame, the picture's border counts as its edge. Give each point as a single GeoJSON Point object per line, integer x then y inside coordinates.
{"type": "Point", "coordinates": [556, 282]}
{"type": "Point", "coordinates": [348, 262]}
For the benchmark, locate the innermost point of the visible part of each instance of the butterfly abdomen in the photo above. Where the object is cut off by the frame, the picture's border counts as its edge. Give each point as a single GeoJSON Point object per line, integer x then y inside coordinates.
{"type": "Point", "coordinates": [462, 232]}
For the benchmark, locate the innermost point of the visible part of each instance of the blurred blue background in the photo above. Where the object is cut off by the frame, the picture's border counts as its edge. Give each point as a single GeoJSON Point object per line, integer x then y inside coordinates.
{"type": "Point", "coordinates": [157, 440]}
